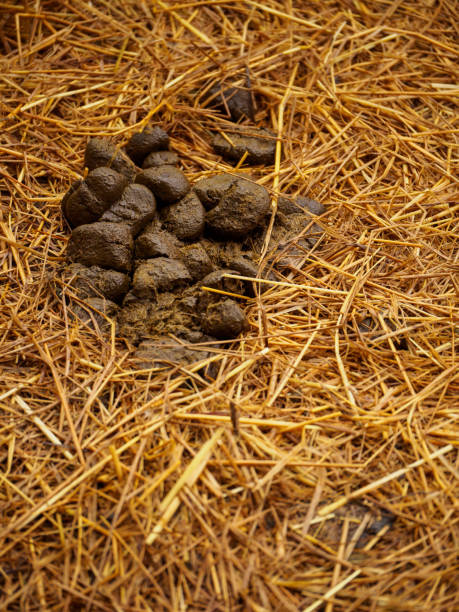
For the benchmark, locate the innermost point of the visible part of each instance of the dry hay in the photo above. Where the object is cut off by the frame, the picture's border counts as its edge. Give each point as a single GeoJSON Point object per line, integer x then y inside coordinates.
{"type": "Point", "coordinates": [319, 470]}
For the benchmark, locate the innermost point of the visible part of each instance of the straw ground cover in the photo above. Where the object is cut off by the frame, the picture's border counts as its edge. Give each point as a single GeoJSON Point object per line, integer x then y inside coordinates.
{"type": "Point", "coordinates": [319, 470]}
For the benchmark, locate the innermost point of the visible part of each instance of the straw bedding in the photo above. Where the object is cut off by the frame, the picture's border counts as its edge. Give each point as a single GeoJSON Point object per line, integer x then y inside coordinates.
{"type": "Point", "coordinates": [318, 470]}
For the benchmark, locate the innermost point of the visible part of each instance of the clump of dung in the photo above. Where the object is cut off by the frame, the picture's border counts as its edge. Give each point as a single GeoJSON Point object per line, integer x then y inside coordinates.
{"type": "Point", "coordinates": [153, 253]}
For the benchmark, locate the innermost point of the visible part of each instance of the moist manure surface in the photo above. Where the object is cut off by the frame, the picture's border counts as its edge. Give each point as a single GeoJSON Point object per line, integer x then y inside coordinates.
{"type": "Point", "coordinates": [152, 251]}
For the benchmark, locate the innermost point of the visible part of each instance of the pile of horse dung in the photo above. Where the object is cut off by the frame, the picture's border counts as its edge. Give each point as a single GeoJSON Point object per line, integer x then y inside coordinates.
{"type": "Point", "coordinates": [161, 256]}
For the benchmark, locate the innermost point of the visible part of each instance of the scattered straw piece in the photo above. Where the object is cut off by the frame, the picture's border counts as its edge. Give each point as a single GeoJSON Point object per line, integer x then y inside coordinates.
{"type": "Point", "coordinates": [43, 427]}
{"type": "Point", "coordinates": [329, 594]}
{"type": "Point", "coordinates": [171, 502]}
{"type": "Point", "coordinates": [378, 483]}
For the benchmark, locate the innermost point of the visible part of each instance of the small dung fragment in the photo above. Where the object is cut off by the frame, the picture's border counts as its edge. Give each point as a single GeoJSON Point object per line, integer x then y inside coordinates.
{"type": "Point", "coordinates": [143, 143]}
{"type": "Point", "coordinates": [210, 190]}
{"type": "Point", "coordinates": [70, 191]}
{"type": "Point", "coordinates": [160, 351]}
{"type": "Point", "coordinates": [235, 101]}
{"type": "Point", "coordinates": [135, 208]}
{"type": "Point", "coordinates": [316, 208]}
{"type": "Point", "coordinates": [109, 245]}
{"type": "Point", "coordinates": [93, 311]}
{"type": "Point", "coordinates": [133, 318]}
{"type": "Point", "coordinates": [87, 200]}
{"type": "Point", "coordinates": [160, 158]}
{"type": "Point", "coordinates": [196, 260]}
{"type": "Point", "coordinates": [186, 218]}
{"type": "Point", "coordinates": [244, 266]}
{"type": "Point", "coordinates": [293, 226]}
{"type": "Point", "coordinates": [292, 237]}
{"type": "Point", "coordinates": [240, 210]}
{"type": "Point", "coordinates": [106, 184]}
{"type": "Point", "coordinates": [168, 183]}
{"type": "Point", "coordinates": [217, 280]}
{"type": "Point", "coordinates": [259, 143]}
{"type": "Point", "coordinates": [101, 152]}
{"type": "Point", "coordinates": [82, 206]}
{"type": "Point", "coordinates": [287, 206]}
{"type": "Point", "coordinates": [94, 281]}
{"type": "Point", "coordinates": [155, 242]}
{"type": "Point", "coordinates": [223, 320]}
{"type": "Point", "coordinates": [160, 274]}
{"type": "Point", "coordinates": [300, 204]}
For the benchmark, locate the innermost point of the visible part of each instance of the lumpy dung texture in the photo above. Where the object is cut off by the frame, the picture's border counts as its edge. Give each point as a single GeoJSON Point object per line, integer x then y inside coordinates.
{"type": "Point", "coordinates": [159, 256]}
{"type": "Point", "coordinates": [105, 244]}
{"type": "Point", "coordinates": [237, 102]}
{"type": "Point", "coordinates": [146, 142]}
{"type": "Point", "coordinates": [100, 152]}
{"type": "Point", "coordinates": [258, 145]}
